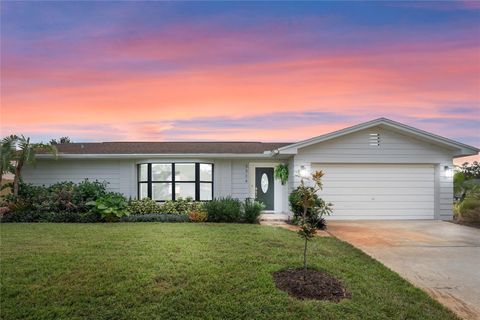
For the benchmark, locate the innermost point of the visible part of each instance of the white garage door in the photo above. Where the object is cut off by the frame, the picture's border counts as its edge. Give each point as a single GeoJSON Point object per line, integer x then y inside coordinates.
{"type": "Point", "coordinates": [379, 191]}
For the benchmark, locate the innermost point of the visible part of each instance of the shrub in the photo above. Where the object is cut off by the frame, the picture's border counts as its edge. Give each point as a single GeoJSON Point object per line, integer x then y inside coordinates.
{"type": "Point", "coordinates": [71, 197]}
{"type": "Point", "coordinates": [468, 210]}
{"type": "Point", "coordinates": [22, 216]}
{"type": "Point", "coordinates": [196, 206]}
{"type": "Point", "coordinates": [155, 217]}
{"type": "Point", "coordinates": [35, 216]}
{"type": "Point", "coordinates": [144, 206]}
{"type": "Point", "coordinates": [111, 206]}
{"type": "Point", "coordinates": [4, 211]}
{"type": "Point", "coordinates": [59, 197]}
{"type": "Point", "coordinates": [315, 212]}
{"type": "Point", "coordinates": [89, 217]}
{"type": "Point", "coordinates": [179, 206]}
{"type": "Point", "coordinates": [30, 198]}
{"type": "Point", "coordinates": [90, 190]}
{"type": "Point", "coordinates": [252, 210]}
{"type": "Point", "coordinates": [169, 207]}
{"type": "Point", "coordinates": [19, 206]}
{"type": "Point", "coordinates": [197, 216]}
{"type": "Point", "coordinates": [224, 210]}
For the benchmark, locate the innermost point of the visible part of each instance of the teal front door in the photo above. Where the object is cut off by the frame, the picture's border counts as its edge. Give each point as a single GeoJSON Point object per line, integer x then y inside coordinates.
{"type": "Point", "coordinates": [265, 187]}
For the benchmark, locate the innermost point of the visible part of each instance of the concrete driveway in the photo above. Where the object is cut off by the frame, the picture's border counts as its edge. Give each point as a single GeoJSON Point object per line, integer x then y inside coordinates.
{"type": "Point", "coordinates": [440, 257]}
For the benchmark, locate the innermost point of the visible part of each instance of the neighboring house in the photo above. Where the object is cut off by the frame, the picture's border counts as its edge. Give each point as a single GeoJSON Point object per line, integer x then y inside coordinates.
{"type": "Point", "coordinates": [380, 169]}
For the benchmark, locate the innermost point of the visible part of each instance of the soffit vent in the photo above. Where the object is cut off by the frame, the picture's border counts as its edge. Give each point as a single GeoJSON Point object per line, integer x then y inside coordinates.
{"type": "Point", "coordinates": [374, 139]}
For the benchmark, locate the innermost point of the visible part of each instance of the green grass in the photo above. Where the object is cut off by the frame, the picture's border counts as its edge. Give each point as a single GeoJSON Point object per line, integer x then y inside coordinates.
{"type": "Point", "coordinates": [187, 271]}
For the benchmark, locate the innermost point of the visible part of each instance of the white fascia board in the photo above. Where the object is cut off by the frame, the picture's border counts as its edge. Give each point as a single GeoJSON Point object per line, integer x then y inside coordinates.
{"type": "Point", "coordinates": [432, 137]}
{"type": "Point", "coordinates": [157, 156]}
{"type": "Point", "coordinates": [465, 153]}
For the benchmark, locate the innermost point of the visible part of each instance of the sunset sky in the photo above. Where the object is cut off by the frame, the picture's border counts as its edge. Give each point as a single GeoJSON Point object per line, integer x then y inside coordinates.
{"type": "Point", "coordinates": [150, 71]}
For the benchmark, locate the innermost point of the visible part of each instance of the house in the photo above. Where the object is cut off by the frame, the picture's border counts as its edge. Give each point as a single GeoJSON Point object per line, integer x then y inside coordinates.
{"type": "Point", "coordinates": [379, 169]}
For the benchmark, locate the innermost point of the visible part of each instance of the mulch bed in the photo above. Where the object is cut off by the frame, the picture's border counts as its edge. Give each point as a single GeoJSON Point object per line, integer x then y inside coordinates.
{"type": "Point", "coordinates": [310, 284]}
{"type": "Point", "coordinates": [472, 224]}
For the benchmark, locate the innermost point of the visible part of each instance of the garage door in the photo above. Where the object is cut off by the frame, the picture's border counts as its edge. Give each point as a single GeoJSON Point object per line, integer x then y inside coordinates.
{"type": "Point", "coordinates": [379, 191]}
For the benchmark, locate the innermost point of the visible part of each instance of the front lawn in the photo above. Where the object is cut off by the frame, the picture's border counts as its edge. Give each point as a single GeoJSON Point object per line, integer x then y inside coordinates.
{"type": "Point", "coordinates": [187, 271]}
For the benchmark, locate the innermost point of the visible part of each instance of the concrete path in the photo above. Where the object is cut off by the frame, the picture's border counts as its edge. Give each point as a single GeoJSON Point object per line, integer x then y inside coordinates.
{"type": "Point", "coordinates": [440, 257]}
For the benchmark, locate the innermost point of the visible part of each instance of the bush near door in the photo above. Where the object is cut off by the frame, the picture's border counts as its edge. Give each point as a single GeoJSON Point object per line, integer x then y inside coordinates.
{"type": "Point", "coordinates": [466, 182]}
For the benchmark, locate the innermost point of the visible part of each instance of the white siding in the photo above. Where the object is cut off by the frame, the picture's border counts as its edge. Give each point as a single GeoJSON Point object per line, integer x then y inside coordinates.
{"type": "Point", "coordinates": [230, 176]}
{"type": "Point", "coordinates": [120, 174]}
{"type": "Point", "coordinates": [394, 148]}
{"type": "Point", "coordinates": [239, 179]}
{"type": "Point", "coordinates": [222, 178]}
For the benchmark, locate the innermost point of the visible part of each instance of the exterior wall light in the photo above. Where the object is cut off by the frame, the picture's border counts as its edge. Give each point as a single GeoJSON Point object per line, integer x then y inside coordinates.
{"type": "Point", "coordinates": [303, 172]}
{"type": "Point", "coordinates": [448, 171]}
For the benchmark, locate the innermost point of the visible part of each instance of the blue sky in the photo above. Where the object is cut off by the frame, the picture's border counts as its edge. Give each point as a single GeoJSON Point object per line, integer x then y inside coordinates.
{"type": "Point", "coordinates": [274, 71]}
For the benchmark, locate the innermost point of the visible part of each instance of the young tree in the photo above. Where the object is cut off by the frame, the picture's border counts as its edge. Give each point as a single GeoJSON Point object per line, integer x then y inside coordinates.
{"type": "Point", "coordinates": [307, 200]}
{"type": "Point", "coordinates": [7, 150]}
{"type": "Point", "coordinates": [26, 154]}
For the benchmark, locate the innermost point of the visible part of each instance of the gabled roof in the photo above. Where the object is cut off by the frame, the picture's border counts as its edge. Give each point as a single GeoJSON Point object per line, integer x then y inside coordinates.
{"type": "Point", "coordinates": [241, 149]}
{"type": "Point", "coordinates": [461, 148]}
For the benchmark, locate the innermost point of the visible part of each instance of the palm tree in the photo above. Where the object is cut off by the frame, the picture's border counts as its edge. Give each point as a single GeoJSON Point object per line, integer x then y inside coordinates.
{"type": "Point", "coordinates": [26, 154]}
{"type": "Point", "coordinates": [62, 140]}
{"type": "Point", "coordinates": [7, 150]}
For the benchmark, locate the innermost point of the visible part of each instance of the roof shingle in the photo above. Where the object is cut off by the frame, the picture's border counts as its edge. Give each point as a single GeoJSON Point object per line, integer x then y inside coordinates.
{"type": "Point", "coordinates": [167, 147]}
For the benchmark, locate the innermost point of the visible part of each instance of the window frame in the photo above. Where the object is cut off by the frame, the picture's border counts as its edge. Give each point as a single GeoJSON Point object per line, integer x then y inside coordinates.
{"type": "Point", "coordinates": [173, 182]}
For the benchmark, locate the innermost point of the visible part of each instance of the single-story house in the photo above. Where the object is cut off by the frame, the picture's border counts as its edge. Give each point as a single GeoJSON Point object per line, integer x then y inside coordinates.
{"type": "Point", "coordinates": [379, 169]}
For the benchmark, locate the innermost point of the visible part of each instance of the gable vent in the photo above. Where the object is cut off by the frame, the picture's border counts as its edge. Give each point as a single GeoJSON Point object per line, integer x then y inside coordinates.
{"type": "Point", "coordinates": [374, 139]}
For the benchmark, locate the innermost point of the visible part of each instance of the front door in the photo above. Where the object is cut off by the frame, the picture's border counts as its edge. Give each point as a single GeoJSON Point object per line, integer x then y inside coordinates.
{"type": "Point", "coordinates": [264, 187]}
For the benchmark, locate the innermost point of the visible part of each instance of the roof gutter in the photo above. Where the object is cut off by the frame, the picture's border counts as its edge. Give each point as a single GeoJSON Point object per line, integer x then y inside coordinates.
{"type": "Point", "coordinates": [154, 155]}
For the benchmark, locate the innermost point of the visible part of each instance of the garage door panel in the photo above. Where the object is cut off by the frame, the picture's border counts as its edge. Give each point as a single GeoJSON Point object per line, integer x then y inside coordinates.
{"type": "Point", "coordinates": [384, 205]}
{"type": "Point", "coordinates": [362, 212]}
{"type": "Point", "coordinates": [384, 217]}
{"type": "Point", "coordinates": [379, 191]}
{"type": "Point", "coordinates": [378, 197]}
{"type": "Point", "coordinates": [379, 169]}
{"type": "Point", "coordinates": [368, 178]}
{"type": "Point", "coordinates": [382, 184]}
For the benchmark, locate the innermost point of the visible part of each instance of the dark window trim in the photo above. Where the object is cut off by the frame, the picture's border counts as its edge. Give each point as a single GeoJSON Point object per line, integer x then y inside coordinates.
{"type": "Point", "coordinates": [173, 182]}
{"type": "Point", "coordinates": [197, 181]}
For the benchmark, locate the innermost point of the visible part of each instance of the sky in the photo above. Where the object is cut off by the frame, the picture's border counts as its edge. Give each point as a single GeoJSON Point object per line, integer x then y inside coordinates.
{"type": "Point", "coordinates": [244, 71]}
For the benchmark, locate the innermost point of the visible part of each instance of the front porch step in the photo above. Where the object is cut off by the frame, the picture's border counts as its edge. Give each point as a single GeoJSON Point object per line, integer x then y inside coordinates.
{"type": "Point", "coordinates": [274, 217]}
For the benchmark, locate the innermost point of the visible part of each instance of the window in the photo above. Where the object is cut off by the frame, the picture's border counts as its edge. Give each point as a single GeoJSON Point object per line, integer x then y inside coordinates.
{"type": "Point", "coordinates": [161, 172]}
{"type": "Point", "coordinates": [185, 172]}
{"type": "Point", "coordinates": [185, 190]}
{"type": "Point", "coordinates": [171, 181]}
{"type": "Point", "coordinates": [142, 181]}
{"type": "Point", "coordinates": [161, 191]}
{"type": "Point", "coordinates": [206, 191]}
{"type": "Point", "coordinates": [206, 181]}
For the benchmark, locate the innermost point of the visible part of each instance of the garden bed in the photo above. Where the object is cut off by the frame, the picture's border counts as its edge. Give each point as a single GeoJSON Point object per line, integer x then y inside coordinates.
{"type": "Point", "coordinates": [310, 284]}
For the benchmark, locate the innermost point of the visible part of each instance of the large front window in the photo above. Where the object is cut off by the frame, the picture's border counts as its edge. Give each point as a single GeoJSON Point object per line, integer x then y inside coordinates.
{"type": "Point", "coordinates": [171, 181]}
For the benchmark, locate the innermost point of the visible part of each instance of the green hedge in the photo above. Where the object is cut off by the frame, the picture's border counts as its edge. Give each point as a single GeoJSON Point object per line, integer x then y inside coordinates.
{"type": "Point", "coordinates": [28, 216]}
{"type": "Point", "coordinates": [233, 210]}
{"type": "Point", "coordinates": [155, 217]}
